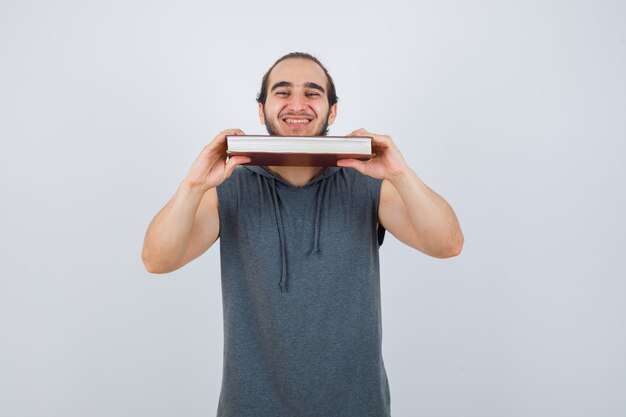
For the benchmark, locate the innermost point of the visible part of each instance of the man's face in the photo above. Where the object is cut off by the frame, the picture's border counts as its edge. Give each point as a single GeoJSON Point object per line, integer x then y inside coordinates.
{"type": "Point", "coordinates": [296, 103]}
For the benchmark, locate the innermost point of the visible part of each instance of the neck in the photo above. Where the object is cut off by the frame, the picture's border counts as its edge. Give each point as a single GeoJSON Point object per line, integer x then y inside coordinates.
{"type": "Point", "coordinates": [296, 176]}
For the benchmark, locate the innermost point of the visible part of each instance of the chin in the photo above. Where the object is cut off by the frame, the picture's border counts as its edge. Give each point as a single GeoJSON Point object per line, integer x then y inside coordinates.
{"type": "Point", "coordinates": [272, 131]}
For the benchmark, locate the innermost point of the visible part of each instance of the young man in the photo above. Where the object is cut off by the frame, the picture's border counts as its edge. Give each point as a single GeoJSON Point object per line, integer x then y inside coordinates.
{"type": "Point", "coordinates": [299, 255]}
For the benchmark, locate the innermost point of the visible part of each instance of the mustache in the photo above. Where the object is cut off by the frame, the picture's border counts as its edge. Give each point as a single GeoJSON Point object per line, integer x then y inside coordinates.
{"type": "Point", "coordinates": [291, 114]}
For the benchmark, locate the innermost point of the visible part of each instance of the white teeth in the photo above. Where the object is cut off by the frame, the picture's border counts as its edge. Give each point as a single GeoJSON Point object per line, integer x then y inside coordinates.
{"type": "Point", "coordinates": [296, 121]}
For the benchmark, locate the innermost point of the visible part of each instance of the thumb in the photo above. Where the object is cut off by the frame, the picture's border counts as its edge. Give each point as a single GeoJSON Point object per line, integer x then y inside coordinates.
{"type": "Point", "coordinates": [352, 163]}
{"type": "Point", "coordinates": [232, 163]}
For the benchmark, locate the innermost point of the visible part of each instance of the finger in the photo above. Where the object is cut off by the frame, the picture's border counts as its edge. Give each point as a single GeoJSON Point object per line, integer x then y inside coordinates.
{"type": "Point", "coordinates": [382, 142]}
{"type": "Point", "coordinates": [221, 137]}
{"type": "Point", "coordinates": [236, 132]}
{"type": "Point", "coordinates": [352, 163]}
{"type": "Point", "coordinates": [239, 159]}
{"type": "Point", "coordinates": [232, 163]}
{"type": "Point", "coordinates": [231, 132]}
{"type": "Point", "coordinates": [220, 142]}
{"type": "Point", "coordinates": [359, 132]}
{"type": "Point", "coordinates": [215, 149]}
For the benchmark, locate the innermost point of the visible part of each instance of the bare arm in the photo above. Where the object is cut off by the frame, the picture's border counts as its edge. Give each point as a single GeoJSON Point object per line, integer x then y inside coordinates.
{"type": "Point", "coordinates": [419, 217]}
{"type": "Point", "coordinates": [408, 209]}
{"type": "Point", "coordinates": [189, 223]}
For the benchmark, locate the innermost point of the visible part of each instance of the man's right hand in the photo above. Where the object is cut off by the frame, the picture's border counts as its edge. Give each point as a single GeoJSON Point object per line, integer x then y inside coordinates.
{"type": "Point", "coordinates": [210, 168]}
{"type": "Point", "coordinates": [189, 223]}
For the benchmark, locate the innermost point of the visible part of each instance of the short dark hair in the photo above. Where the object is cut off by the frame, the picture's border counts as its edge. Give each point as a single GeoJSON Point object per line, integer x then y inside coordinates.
{"type": "Point", "coordinates": [331, 94]}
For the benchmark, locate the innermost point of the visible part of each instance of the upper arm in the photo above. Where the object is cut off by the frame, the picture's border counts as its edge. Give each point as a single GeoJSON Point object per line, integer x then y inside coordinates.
{"type": "Point", "coordinates": [206, 227]}
{"type": "Point", "coordinates": [394, 216]}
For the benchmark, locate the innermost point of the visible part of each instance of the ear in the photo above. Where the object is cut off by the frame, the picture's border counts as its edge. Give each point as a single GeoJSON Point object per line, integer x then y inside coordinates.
{"type": "Point", "coordinates": [332, 114]}
{"type": "Point", "coordinates": [261, 115]}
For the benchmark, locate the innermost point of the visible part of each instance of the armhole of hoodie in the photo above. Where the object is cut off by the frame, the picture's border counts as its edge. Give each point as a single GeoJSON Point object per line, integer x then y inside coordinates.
{"type": "Point", "coordinates": [375, 187]}
{"type": "Point", "coordinates": [224, 196]}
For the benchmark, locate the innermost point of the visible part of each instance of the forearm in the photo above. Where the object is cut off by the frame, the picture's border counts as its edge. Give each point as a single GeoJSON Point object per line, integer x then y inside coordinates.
{"type": "Point", "coordinates": [431, 217]}
{"type": "Point", "coordinates": [169, 233]}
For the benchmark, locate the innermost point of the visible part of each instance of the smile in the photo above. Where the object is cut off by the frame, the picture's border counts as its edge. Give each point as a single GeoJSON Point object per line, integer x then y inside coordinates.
{"type": "Point", "coordinates": [296, 121]}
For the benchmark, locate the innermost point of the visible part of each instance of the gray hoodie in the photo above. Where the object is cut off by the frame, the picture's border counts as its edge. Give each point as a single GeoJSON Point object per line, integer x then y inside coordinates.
{"type": "Point", "coordinates": [301, 296]}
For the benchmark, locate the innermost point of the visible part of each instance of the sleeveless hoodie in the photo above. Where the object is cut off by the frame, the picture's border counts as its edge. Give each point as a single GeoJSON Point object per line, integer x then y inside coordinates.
{"type": "Point", "coordinates": [301, 296]}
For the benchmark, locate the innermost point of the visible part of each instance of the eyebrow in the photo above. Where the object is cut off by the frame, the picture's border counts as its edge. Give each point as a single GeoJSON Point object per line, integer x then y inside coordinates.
{"type": "Point", "coordinates": [307, 85]}
{"type": "Point", "coordinates": [314, 86]}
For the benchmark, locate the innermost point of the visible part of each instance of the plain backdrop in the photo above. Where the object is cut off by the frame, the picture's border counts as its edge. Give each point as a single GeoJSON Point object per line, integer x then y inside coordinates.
{"type": "Point", "coordinates": [514, 111]}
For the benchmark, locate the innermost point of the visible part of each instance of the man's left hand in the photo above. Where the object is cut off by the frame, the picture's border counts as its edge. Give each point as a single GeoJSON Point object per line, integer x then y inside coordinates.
{"type": "Point", "coordinates": [387, 162]}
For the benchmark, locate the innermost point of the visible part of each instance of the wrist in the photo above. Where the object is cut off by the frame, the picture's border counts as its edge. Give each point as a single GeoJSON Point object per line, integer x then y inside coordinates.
{"type": "Point", "coordinates": [189, 187]}
{"type": "Point", "coordinates": [400, 173]}
{"type": "Point", "coordinates": [402, 177]}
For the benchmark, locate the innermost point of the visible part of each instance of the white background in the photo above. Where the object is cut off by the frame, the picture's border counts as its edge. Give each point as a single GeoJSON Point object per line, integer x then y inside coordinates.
{"type": "Point", "coordinates": [513, 111]}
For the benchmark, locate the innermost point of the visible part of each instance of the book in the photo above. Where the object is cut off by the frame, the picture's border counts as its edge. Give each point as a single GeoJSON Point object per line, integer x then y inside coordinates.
{"type": "Point", "coordinates": [299, 150]}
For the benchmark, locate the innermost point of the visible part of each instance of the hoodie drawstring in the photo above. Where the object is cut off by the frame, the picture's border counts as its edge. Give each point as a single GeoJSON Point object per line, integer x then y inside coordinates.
{"type": "Point", "coordinates": [318, 209]}
{"type": "Point", "coordinates": [319, 198]}
{"type": "Point", "coordinates": [281, 237]}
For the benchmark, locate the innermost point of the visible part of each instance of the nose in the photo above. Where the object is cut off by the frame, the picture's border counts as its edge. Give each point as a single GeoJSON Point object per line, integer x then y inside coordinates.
{"type": "Point", "coordinates": [297, 103]}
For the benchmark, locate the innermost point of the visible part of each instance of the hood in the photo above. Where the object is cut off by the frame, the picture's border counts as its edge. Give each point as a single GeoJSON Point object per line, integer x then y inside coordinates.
{"type": "Point", "coordinates": [272, 180]}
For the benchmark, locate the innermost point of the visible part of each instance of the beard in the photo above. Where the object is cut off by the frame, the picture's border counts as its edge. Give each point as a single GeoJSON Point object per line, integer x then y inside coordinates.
{"type": "Point", "coordinates": [273, 131]}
